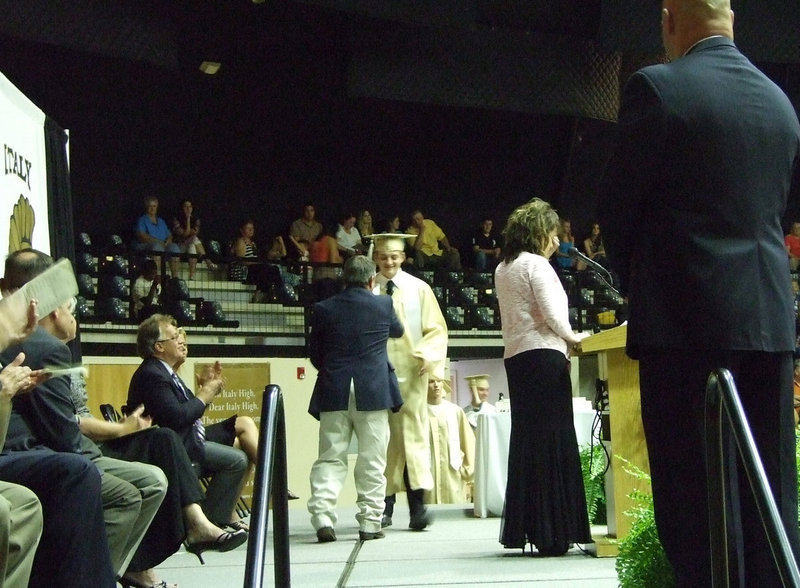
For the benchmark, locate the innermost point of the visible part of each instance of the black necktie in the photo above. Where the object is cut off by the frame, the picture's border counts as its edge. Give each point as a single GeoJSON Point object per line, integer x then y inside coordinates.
{"type": "Point", "coordinates": [390, 287]}
{"type": "Point", "coordinates": [198, 426]}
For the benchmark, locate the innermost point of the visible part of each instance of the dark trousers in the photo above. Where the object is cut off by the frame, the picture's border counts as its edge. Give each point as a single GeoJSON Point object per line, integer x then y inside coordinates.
{"type": "Point", "coordinates": [672, 387]}
{"type": "Point", "coordinates": [163, 448]}
{"type": "Point", "coordinates": [227, 467]}
{"type": "Point", "coordinates": [73, 550]}
{"type": "Point", "coordinates": [415, 498]}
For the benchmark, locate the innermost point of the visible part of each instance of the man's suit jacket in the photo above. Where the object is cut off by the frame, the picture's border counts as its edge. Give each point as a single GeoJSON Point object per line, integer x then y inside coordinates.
{"type": "Point", "coordinates": [692, 201]}
{"type": "Point", "coordinates": [153, 386]}
{"type": "Point", "coordinates": [347, 342]}
{"type": "Point", "coordinates": [46, 415]}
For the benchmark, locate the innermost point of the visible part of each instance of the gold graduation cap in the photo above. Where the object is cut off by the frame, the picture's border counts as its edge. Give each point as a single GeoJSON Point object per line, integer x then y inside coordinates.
{"type": "Point", "coordinates": [383, 242]}
{"type": "Point", "coordinates": [478, 380]}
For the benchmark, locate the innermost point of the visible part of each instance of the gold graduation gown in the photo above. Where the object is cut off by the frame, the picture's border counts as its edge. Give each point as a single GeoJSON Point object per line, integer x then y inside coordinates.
{"type": "Point", "coordinates": [425, 337]}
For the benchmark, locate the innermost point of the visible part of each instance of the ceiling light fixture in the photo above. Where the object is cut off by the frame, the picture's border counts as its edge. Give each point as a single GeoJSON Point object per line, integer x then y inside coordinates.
{"type": "Point", "coordinates": [210, 67]}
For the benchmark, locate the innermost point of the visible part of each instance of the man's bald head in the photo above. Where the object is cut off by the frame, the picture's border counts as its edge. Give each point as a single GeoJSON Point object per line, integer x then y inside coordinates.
{"type": "Point", "coordinates": [22, 266]}
{"type": "Point", "coordinates": [685, 22]}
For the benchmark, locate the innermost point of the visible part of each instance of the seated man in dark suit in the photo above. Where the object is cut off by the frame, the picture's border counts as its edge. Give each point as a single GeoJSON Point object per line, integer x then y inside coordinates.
{"type": "Point", "coordinates": [131, 491]}
{"type": "Point", "coordinates": [355, 387]}
{"type": "Point", "coordinates": [50, 499]}
{"type": "Point", "coordinates": [170, 403]}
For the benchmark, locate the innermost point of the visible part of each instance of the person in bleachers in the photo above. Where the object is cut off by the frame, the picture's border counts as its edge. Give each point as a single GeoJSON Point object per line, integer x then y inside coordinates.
{"type": "Point", "coordinates": [563, 260]}
{"type": "Point", "coordinates": [185, 229]}
{"type": "Point", "coordinates": [152, 234]}
{"type": "Point", "coordinates": [431, 247]}
{"type": "Point", "coordinates": [485, 247]}
{"type": "Point", "coordinates": [146, 290]}
{"type": "Point", "coordinates": [304, 231]}
{"type": "Point", "coordinates": [348, 237]}
{"type": "Point", "coordinates": [364, 223]}
{"type": "Point", "coordinates": [325, 250]}
{"type": "Point", "coordinates": [268, 278]}
{"type": "Point", "coordinates": [593, 246]}
{"type": "Point", "coordinates": [452, 448]}
{"type": "Point", "coordinates": [792, 242]}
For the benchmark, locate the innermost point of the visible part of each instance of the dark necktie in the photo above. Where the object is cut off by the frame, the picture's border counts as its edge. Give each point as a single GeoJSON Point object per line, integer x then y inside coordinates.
{"type": "Point", "coordinates": [390, 287]}
{"type": "Point", "coordinates": [198, 426]}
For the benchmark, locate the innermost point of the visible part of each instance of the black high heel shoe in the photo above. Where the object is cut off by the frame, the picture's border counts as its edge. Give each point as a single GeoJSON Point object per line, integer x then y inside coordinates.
{"type": "Point", "coordinates": [225, 542]}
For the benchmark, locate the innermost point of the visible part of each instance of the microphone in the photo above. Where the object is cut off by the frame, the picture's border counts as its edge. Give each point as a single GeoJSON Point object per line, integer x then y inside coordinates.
{"type": "Point", "coordinates": [574, 253]}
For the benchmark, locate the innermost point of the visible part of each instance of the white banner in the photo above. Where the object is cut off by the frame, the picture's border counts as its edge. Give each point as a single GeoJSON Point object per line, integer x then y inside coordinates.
{"type": "Point", "coordinates": [23, 183]}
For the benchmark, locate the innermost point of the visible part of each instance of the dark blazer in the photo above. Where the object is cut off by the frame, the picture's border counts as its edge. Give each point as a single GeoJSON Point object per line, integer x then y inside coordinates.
{"type": "Point", "coordinates": [153, 386]}
{"type": "Point", "coordinates": [46, 415]}
{"type": "Point", "coordinates": [692, 201]}
{"type": "Point", "coordinates": [348, 339]}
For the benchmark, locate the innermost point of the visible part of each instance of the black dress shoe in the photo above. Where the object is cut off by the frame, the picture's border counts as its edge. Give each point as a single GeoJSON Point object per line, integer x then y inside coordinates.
{"type": "Point", "coordinates": [419, 521]}
{"type": "Point", "coordinates": [366, 535]}
{"type": "Point", "coordinates": [386, 521]}
{"type": "Point", "coordinates": [553, 550]}
{"type": "Point", "coordinates": [326, 535]}
{"type": "Point", "coordinates": [292, 495]}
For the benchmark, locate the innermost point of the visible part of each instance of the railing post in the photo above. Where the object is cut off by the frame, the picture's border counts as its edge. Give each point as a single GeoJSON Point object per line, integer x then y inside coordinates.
{"type": "Point", "coordinates": [715, 474]}
{"type": "Point", "coordinates": [270, 475]}
{"type": "Point", "coordinates": [721, 394]}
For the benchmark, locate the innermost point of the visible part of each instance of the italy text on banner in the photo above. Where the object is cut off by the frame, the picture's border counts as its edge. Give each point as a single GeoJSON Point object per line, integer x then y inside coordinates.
{"type": "Point", "coordinates": [23, 183]}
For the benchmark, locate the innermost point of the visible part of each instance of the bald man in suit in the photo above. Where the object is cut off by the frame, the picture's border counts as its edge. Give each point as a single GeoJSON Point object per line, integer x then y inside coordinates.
{"type": "Point", "coordinates": [707, 148]}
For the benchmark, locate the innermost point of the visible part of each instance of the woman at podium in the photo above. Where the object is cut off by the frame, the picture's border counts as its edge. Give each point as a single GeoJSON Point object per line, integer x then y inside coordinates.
{"type": "Point", "coordinates": [545, 503]}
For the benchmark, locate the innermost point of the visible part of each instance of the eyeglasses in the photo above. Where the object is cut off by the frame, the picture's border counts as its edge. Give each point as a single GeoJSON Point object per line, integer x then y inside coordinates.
{"type": "Point", "coordinates": [168, 339]}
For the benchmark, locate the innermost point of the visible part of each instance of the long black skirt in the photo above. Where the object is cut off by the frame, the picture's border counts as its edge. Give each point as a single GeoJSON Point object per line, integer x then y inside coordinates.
{"type": "Point", "coordinates": [545, 501]}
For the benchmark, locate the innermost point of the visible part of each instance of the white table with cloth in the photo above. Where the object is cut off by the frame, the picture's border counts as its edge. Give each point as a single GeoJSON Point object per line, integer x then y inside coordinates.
{"type": "Point", "coordinates": [491, 455]}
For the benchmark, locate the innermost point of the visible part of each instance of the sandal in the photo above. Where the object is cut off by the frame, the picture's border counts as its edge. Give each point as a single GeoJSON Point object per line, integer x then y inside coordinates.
{"type": "Point", "coordinates": [239, 525]}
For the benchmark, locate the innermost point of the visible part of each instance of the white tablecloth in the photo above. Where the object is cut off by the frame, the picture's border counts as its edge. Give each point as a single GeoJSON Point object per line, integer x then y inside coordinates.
{"type": "Point", "coordinates": [491, 458]}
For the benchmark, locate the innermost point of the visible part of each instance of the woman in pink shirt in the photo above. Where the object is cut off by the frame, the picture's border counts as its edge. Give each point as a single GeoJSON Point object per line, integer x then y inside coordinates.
{"type": "Point", "coordinates": [545, 503]}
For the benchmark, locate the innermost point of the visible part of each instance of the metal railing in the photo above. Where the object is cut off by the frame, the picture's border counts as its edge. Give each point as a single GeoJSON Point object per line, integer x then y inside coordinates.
{"type": "Point", "coordinates": [721, 394]}
{"type": "Point", "coordinates": [270, 481]}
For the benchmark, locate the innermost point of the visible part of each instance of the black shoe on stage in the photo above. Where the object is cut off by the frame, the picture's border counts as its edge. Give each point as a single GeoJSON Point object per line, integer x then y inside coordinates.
{"type": "Point", "coordinates": [366, 535]}
{"type": "Point", "coordinates": [326, 535]}
{"type": "Point", "coordinates": [386, 521]}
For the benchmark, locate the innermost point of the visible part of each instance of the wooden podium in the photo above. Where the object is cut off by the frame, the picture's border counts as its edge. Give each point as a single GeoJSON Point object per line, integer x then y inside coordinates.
{"type": "Point", "coordinates": [625, 413]}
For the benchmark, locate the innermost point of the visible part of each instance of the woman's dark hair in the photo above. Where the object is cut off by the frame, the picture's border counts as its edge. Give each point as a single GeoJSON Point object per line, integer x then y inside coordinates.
{"type": "Point", "coordinates": [528, 229]}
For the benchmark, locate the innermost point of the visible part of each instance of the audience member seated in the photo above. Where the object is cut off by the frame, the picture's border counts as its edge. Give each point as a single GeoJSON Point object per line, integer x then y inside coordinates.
{"type": "Point", "coordinates": [304, 231]}
{"type": "Point", "coordinates": [180, 517]}
{"type": "Point", "coordinates": [55, 496]}
{"type": "Point", "coordinates": [268, 278]}
{"type": "Point", "coordinates": [431, 247]}
{"type": "Point", "coordinates": [593, 246]}
{"type": "Point", "coordinates": [348, 237]}
{"type": "Point", "coordinates": [146, 290]}
{"type": "Point", "coordinates": [562, 258]}
{"type": "Point", "coordinates": [479, 388]}
{"type": "Point", "coordinates": [186, 228]}
{"type": "Point", "coordinates": [326, 250]}
{"type": "Point", "coordinates": [152, 234]}
{"type": "Point", "coordinates": [452, 448]}
{"type": "Point", "coordinates": [485, 247]}
{"type": "Point", "coordinates": [364, 224]}
{"type": "Point", "coordinates": [392, 225]}
{"type": "Point", "coordinates": [792, 241]}
{"type": "Point", "coordinates": [131, 492]}
{"type": "Point", "coordinates": [277, 251]}
{"type": "Point", "coordinates": [170, 403]}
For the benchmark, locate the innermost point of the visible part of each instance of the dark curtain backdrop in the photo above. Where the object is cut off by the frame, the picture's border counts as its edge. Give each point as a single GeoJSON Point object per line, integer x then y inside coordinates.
{"type": "Point", "coordinates": [59, 202]}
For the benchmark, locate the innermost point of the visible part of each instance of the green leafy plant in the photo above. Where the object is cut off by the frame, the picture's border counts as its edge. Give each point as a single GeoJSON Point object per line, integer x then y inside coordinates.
{"type": "Point", "coordinates": [593, 466]}
{"type": "Point", "coordinates": [641, 561]}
